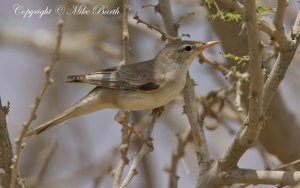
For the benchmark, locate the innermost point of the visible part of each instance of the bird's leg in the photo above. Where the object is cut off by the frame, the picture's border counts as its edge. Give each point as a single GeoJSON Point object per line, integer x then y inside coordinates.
{"type": "Point", "coordinates": [158, 111]}
{"type": "Point", "coordinates": [122, 118]}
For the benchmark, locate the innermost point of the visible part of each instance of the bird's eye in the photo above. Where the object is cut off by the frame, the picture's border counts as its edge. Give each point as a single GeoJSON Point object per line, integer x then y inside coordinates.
{"type": "Point", "coordinates": [188, 48]}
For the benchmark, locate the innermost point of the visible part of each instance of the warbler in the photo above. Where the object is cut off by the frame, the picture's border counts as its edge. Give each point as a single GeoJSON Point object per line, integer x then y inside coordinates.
{"type": "Point", "coordinates": [134, 86]}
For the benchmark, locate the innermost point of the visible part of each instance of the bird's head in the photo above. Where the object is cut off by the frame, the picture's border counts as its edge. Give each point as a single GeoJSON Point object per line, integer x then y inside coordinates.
{"type": "Point", "coordinates": [184, 52]}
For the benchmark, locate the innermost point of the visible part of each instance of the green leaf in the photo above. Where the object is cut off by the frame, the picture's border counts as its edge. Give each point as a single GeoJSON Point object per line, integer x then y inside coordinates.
{"type": "Point", "coordinates": [234, 57]}
{"type": "Point", "coordinates": [263, 11]}
{"type": "Point", "coordinates": [226, 16]}
{"type": "Point", "coordinates": [232, 16]}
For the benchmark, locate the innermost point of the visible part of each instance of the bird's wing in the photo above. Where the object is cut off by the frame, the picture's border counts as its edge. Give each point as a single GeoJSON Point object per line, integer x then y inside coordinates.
{"type": "Point", "coordinates": [136, 76]}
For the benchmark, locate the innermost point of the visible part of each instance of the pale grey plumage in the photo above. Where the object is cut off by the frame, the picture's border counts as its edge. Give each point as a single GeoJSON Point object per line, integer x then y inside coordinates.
{"type": "Point", "coordinates": [138, 86]}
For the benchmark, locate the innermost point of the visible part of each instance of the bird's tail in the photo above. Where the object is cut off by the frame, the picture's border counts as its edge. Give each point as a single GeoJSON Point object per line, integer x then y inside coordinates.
{"type": "Point", "coordinates": [87, 104]}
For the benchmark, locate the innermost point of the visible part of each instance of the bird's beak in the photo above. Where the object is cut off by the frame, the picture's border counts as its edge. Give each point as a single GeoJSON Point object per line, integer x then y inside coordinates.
{"type": "Point", "coordinates": [207, 44]}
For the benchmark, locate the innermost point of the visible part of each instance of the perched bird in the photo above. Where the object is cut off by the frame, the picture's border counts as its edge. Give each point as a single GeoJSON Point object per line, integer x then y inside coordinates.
{"type": "Point", "coordinates": [137, 86]}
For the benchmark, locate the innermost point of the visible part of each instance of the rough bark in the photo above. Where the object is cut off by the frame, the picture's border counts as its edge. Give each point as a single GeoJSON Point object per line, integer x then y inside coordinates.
{"type": "Point", "coordinates": [6, 153]}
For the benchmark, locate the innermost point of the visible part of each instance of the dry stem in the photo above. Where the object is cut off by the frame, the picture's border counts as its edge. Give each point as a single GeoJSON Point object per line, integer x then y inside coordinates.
{"type": "Point", "coordinates": [48, 80]}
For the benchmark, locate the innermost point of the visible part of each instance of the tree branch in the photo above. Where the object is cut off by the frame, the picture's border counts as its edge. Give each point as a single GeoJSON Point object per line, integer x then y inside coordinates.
{"type": "Point", "coordinates": [249, 176]}
{"type": "Point", "coordinates": [249, 133]}
{"type": "Point", "coordinates": [196, 124]}
{"type": "Point", "coordinates": [125, 32]}
{"type": "Point", "coordinates": [264, 25]}
{"type": "Point", "coordinates": [189, 96]}
{"type": "Point", "coordinates": [48, 80]}
{"type": "Point", "coordinates": [122, 116]}
{"type": "Point", "coordinates": [124, 147]}
{"type": "Point", "coordinates": [6, 152]}
{"type": "Point", "coordinates": [285, 56]}
{"type": "Point", "coordinates": [234, 74]}
{"type": "Point", "coordinates": [164, 35]}
{"type": "Point", "coordinates": [146, 148]}
{"type": "Point", "coordinates": [177, 154]}
{"type": "Point", "coordinates": [279, 14]}
{"type": "Point", "coordinates": [167, 17]}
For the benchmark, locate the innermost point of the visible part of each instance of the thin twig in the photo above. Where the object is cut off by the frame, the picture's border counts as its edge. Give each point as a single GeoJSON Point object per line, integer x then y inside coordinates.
{"type": "Point", "coordinates": [164, 35]}
{"type": "Point", "coordinates": [48, 80]}
{"type": "Point", "coordinates": [143, 28]}
{"type": "Point", "coordinates": [232, 73]}
{"type": "Point", "coordinates": [122, 116]}
{"type": "Point", "coordinates": [218, 9]}
{"type": "Point", "coordinates": [124, 146]}
{"type": "Point", "coordinates": [146, 148]}
{"type": "Point", "coordinates": [214, 98]}
{"type": "Point", "coordinates": [177, 154]}
{"type": "Point", "coordinates": [281, 65]}
{"type": "Point", "coordinates": [177, 24]}
{"type": "Point", "coordinates": [287, 165]}
{"type": "Point", "coordinates": [147, 169]}
{"type": "Point", "coordinates": [136, 159]}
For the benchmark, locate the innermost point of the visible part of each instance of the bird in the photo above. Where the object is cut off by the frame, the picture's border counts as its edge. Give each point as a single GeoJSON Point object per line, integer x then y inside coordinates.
{"type": "Point", "coordinates": [134, 86]}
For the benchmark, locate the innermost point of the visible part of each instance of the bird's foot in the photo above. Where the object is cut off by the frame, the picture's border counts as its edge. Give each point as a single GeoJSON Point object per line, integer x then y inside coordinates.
{"type": "Point", "coordinates": [158, 111]}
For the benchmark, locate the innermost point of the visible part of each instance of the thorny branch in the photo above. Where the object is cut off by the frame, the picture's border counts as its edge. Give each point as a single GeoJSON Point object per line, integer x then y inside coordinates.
{"type": "Point", "coordinates": [48, 80]}
{"type": "Point", "coordinates": [196, 123]}
{"type": "Point", "coordinates": [259, 98]}
{"type": "Point", "coordinates": [124, 146]}
{"type": "Point", "coordinates": [177, 154]}
{"type": "Point", "coordinates": [229, 73]}
{"type": "Point", "coordinates": [248, 134]}
{"type": "Point", "coordinates": [147, 147]}
{"type": "Point", "coordinates": [122, 116]}
{"type": "Point", "coordinates": [164, 36]}
{"type": "Point", "coordinates": [282, 63]}
{"type": "Point", "coordinates": [191, 109]}
{"type": "Point", "coordinates": [264, 25]}
{"type": "Point", "coordinates": [240, 78]}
